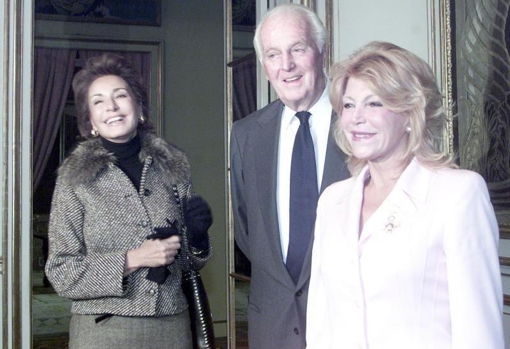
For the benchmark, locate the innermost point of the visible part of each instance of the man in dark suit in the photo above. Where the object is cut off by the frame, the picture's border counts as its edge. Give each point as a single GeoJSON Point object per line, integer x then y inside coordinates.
{"type": "Point", "coordinates": [291, 45]}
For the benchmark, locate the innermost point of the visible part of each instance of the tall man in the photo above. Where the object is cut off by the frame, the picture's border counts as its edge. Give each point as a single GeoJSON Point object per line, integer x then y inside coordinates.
{"type": "Point", "coordinates": [291, 45]}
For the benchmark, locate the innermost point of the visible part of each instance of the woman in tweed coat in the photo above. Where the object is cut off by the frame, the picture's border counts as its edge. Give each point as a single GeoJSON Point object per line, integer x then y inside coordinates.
{"type": "Point", "coordinates": [112, 194]}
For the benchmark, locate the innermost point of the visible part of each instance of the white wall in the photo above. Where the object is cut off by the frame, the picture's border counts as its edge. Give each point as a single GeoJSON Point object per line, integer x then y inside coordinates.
{"type": "Point", "coordinates": [404, 23]}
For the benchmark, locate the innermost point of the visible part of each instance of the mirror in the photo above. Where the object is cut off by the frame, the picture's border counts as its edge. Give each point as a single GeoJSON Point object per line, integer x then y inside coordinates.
{"type": "Point", "coordinates": [17, 18]}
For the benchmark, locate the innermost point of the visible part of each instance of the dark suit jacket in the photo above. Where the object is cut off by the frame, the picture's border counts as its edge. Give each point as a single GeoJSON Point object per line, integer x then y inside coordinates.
{"type": "Point", "coordinates": [277, 306]}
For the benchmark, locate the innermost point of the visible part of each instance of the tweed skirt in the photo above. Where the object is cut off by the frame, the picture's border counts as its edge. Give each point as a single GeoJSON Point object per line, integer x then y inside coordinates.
{"type": "Point", "coordinates": [166, 332]}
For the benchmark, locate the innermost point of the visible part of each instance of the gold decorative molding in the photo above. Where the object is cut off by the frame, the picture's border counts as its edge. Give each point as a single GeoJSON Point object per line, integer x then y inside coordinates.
{"type": "Point", "coordinates": [445, 34]}
{"type": "Point", "coordinates": [231, 283]}
{"type": "Point", "coordinates": [329, 28]}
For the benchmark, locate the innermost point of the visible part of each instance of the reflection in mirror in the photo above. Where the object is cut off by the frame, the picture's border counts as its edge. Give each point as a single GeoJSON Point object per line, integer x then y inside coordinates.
{"type": "Point", "coordinates": [242, 67]}
{"type": "Point", "coordinates": [51, 135]}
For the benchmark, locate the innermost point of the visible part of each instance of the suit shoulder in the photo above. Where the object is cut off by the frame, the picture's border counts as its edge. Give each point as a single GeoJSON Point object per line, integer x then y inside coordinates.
{"type": "Point", "coordinates": [272, 110]}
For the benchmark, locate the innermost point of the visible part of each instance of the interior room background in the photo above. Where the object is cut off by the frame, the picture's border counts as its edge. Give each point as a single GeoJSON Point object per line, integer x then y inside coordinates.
{"type": "Point", "coordinates": [192, 64]}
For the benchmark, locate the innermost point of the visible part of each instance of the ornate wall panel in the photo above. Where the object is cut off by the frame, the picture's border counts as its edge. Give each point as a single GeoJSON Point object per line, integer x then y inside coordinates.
{"type": "Point", "coordinates": [481, 71]}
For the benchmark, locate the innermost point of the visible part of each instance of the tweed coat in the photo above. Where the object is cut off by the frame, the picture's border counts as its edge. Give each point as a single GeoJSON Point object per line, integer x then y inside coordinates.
{"type": "Point", "coordinates": [277, 305]}
{"type": "Point", "coordinates": [97, 215]}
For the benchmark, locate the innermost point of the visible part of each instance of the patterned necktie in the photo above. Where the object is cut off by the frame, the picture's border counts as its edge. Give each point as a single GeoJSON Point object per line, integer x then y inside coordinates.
{"type": "Point", "coordinates": [303, 196]}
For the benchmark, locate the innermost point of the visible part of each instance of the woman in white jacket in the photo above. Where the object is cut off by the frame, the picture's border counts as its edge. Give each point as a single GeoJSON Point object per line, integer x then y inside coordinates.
{"type": "Point", "coordinates": [405, 251]}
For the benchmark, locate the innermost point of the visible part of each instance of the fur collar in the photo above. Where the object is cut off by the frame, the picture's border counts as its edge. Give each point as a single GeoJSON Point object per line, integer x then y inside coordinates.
{"type": "Point", "coordinates": [90, 157]}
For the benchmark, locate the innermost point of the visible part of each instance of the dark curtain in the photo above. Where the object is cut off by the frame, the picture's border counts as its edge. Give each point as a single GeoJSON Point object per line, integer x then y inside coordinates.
{"type": "Point", "coordinates": [244, 89]}
{"type": "Point", "coordinates": [53, 73]}
{"type": "Point", "coordinates": [244, 100]}
{"type": "Point", "coordinates": [141, 61]}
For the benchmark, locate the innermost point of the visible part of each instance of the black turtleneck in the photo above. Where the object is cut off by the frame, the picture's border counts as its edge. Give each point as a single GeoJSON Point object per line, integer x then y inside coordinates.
{"type": "Point", "coordinates": [127, 157]}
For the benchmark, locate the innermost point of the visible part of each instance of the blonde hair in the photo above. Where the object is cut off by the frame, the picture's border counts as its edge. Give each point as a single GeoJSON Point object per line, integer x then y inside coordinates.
{"type": "Point", "coordinates": [406, 86]}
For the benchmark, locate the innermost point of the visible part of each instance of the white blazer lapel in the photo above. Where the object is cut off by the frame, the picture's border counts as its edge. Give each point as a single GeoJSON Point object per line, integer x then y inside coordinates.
{"type": "Point", "coordinates": [399, 209]}
{"type": "Point", "coordinates": [352, 209]}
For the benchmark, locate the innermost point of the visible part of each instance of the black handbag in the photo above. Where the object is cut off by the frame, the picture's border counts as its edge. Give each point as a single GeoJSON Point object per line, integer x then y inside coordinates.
{"type": "Point", "coordinates": [200, 314]}
{"type": "Point", "coordinates": [202, 328]}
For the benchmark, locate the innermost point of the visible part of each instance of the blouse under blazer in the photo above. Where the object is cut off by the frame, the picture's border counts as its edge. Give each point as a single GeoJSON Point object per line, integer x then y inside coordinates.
{"type": "Point", "coordinates": [423, 273]}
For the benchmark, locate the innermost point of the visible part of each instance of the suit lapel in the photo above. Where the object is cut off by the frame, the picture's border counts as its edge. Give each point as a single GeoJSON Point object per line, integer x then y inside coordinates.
{"type": "Point", "coordinates": [267, 176]}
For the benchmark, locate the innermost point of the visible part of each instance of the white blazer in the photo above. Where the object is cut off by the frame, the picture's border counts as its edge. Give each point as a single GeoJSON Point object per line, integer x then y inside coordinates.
{"type": "Point", "coordinates": [424, 273]}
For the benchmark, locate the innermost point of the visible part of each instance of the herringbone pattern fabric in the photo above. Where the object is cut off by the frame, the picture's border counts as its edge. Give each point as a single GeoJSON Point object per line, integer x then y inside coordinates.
{"type": "Point", "coordinates": [93, 223]}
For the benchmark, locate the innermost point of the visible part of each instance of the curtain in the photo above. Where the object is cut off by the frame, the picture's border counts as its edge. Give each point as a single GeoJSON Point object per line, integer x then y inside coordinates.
{"type": "Point", "coordinates": [53, 73]}
{"type": "Point", "coordinates": [244, 89]}
{"type": "Point", "coordinates": [141, 61]}
{"type": "Point", "coordinates": [244, 102]}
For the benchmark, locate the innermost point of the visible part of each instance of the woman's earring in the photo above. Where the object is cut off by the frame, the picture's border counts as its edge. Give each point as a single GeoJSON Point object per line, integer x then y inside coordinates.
{"type": "Point", "coordinates": [142, 119]}
{"type": "Point", "coordinates": [408, 129]}
{"type": "Point", "coordinates": [94, 133]}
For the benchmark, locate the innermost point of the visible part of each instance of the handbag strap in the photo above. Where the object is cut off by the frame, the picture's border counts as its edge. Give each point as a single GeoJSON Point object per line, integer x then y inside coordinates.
{"type": "Point", "coordinates": [186, 261]}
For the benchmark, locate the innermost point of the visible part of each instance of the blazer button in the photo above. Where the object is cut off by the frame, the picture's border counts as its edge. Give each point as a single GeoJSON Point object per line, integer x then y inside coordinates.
{"type": "Point", "coordinates": [296, 331]}
{"type": "Point", "coordinates": [299, 293]}
{"type": "Point", "coordinates": [146, 192]}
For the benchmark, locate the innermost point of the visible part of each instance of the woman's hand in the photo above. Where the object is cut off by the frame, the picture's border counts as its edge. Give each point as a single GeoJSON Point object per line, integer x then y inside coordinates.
{"type": "Point", "coordinates": [152, 253]}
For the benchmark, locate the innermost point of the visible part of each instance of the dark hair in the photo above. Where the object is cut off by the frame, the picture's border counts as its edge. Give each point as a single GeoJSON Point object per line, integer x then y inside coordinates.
{"type": "Point", "coordinates": [96, 67]}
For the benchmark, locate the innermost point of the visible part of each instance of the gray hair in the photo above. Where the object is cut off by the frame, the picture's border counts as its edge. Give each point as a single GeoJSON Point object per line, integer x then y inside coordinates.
{"type": "Point", "coordinates": [319, 32]}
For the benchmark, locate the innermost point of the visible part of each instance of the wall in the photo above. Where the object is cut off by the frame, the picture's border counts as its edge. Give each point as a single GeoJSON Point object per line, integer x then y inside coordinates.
{"type": "Point", "coordinates": [195, 119]}
{"type": "Point", "coordinates": [192, 33]}
{"type": "Point", "coordinates": [404, 23]}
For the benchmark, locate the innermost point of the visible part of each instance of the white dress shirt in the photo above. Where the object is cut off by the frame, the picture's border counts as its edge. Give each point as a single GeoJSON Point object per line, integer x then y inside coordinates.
{"type": "Point", "coordinates": [320, 121]}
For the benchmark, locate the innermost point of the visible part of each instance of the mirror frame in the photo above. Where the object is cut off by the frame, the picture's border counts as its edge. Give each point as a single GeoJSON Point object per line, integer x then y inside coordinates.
{"type": "Point", "coordinates": [443, 36]}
